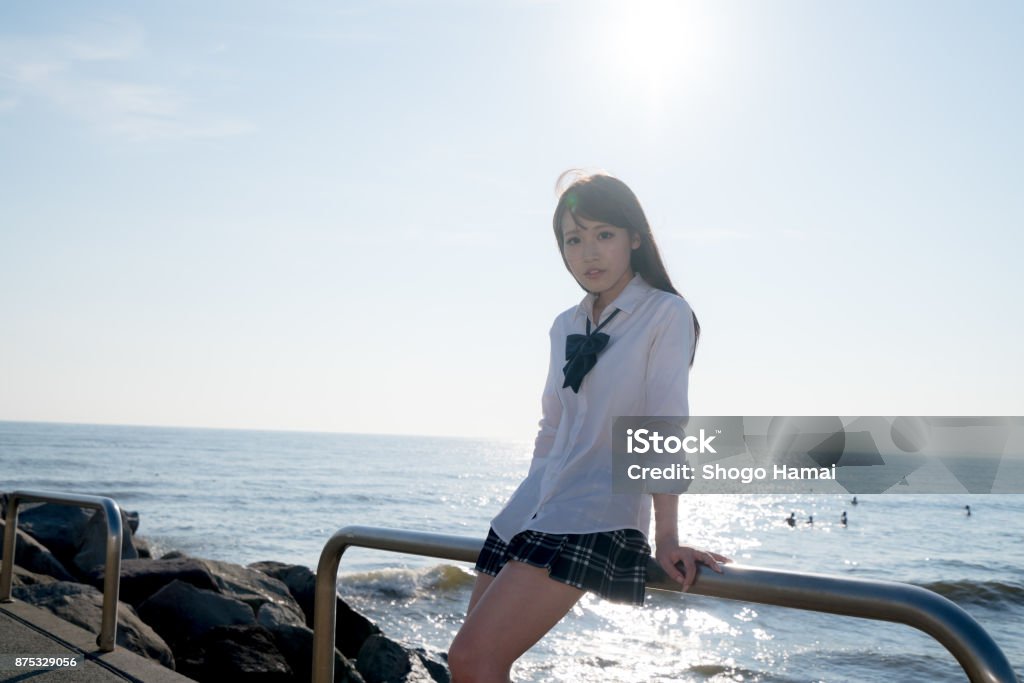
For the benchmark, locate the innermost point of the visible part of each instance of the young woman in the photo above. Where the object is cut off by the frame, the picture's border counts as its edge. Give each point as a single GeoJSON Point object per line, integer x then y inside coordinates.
{"type": "Point", "coordinates": [625, 350]}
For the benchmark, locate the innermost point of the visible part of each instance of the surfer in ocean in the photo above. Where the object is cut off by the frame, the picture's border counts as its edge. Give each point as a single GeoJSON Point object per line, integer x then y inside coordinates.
{"type": "Point", "coordinates": [626, 349]}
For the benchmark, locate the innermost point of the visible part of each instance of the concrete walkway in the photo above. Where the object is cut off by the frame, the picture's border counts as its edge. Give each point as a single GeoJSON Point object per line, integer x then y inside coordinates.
{"type": "Point", "coordinates": [29, 631]}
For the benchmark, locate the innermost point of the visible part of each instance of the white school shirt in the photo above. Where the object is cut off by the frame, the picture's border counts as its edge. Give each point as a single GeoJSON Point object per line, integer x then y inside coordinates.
{"type": "Point", "coordinates": [644, 370]}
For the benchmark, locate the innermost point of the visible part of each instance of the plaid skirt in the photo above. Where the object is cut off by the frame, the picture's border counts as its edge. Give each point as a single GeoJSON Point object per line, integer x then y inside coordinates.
{"type": "Point", "coordinates": [612, 564]}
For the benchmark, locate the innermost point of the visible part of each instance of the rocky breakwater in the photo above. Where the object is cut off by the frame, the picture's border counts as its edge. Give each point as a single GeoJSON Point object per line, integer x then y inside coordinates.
{"type": "Point", "coordinates": [209, 620]}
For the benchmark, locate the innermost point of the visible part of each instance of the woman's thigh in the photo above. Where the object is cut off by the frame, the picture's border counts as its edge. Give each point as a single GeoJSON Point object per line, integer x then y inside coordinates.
{"type": "Point", "coordinates": [483, 582]}
{"type": "Point", "coordinates": [513, 612]}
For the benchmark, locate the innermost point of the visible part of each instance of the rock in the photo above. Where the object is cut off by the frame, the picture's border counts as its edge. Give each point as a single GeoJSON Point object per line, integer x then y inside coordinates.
{"type": "Point", "coordinates": [272, 616]}
{"type": "Point", "coordinates": [92, 550]}
{"type": "Point", "coordinates": [295, 641]}
{"type": "Point", "coordinates": [179, 612]}
{"type": "Point", "coordinates": [58, 527]}
{"type": "Point", "coordinates": [142, 545]}
{"type": "Point", "coordinates": [382, 660]}
{"type": "Point", "coordinates": [24, 577]}
{"type": "Point", "coordinates": [83, 606]}
{"type": "Point", "coordinates": [344, 670]}
{"type": "Point", "coordinates": [436, 663]}
{"type": "Point", "coordinates": [132, 520]}
{"type": "Point", "coordinates": [301, 583]}
{"type": "Point", "coordinates": [240, 654]}
{"type": "Point", "coordinates": [352, 627]}
{"type": "Point", "coordinates": [254, 588]}
{"type": "Point", "coordinates": [33, 556]}
{"type": "Point", "coordinates": [174, 555]}
{"type": "Point", "coordinates": [142, 578]}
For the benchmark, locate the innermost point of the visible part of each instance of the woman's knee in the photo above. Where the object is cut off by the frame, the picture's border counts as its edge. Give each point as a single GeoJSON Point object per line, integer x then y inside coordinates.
{"type": "Point", "coordinates": [462, 662]}
{"type": "Point", "coordinates": [469, 664]}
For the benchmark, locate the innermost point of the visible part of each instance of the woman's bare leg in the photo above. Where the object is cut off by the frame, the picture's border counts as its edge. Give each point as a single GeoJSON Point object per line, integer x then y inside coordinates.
{"type": "Point", "coordinates": [483, 582]}
{"type": "Point", "coordinates": [512, 613]}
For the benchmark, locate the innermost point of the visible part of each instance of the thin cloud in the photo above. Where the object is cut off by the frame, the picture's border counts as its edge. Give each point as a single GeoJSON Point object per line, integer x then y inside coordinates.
{"type": "Point", "coordinates": [112, 40]}
{"type": "Point", "coordinates": [109, 40]}
{"type": "Point", "coordinates": [56, 70]}
{"type": "Point", "coordinates": [144, 112]}
{"type": "Point", "coordinates": [30, 73]}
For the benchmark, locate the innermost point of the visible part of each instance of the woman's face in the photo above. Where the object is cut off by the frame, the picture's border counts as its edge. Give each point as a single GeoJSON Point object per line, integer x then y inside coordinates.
{"type": "Point", "coordinates": [598, 255]}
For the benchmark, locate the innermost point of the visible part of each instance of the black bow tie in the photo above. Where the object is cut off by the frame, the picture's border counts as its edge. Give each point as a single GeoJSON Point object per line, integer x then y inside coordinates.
{"type": "Point", "coordinates": [581, 353]}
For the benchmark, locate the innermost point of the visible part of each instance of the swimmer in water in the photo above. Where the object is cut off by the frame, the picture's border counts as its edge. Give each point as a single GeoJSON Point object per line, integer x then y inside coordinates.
{"type": "Point", "coordinates": [791, 520]}
{"type": "Point", "coordinates": [854, 501]}
{"type": "Point", "coordinates": [842, 518]}
{"type": "Point", "coordinates": [810, 519]}
{"type": "Point", "coordinates": [967, 508]}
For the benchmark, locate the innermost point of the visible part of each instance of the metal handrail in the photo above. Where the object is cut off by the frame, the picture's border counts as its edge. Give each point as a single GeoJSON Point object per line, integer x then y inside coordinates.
{"type": "Point", "coordinates": [975, 650]}
{"type": "Point", "coordinates": [112, 568]}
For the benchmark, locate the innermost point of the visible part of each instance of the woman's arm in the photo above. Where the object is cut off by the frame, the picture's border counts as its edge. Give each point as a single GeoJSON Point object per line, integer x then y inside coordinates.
{"type": "Point", "coordinates": [666, 514]}
{"type": "Point", "coordinates": [668, 552]}
{"type": "Point", "coordinates": [551, 408]}
{"type": "Point", "coordinates": [668, 370]}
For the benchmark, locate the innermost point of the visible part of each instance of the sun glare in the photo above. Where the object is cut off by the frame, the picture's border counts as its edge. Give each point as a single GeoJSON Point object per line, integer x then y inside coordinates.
{"type": "Point", "coordinates": [655, 46]}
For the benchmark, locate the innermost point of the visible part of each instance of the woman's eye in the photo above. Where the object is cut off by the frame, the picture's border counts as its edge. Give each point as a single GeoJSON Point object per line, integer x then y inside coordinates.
{"type": "Point", "coordinates": [605, 235]}
{"type": "Point", "coordinates": [572, 240]}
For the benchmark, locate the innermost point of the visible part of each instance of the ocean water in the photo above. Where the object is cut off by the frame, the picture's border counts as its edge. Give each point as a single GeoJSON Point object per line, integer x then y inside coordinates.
{"type": "Point", "coordinates": [244, 496]}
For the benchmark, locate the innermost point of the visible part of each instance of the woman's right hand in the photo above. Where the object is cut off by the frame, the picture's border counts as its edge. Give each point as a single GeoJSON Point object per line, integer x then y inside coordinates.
{"type": "Point", "coordinates": [668, 556]}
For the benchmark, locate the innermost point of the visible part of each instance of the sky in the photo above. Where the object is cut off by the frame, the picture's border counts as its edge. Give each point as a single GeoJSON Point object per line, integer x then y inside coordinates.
{"type": "Point", "coordinates": [335, 216]}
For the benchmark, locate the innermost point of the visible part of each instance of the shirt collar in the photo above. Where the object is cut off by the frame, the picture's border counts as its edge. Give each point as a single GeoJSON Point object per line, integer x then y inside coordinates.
{"type": "Point", "coordinates": [627, 300]}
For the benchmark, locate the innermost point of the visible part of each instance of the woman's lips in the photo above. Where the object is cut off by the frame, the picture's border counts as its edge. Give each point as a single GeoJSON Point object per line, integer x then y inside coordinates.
{"type": "Point", "coordinates": [593, 273]}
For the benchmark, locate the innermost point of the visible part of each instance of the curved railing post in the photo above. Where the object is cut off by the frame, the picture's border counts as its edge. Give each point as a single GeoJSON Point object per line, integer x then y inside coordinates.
{"type": "Point", "coordinates": [955, 629]}
{"type": "Point", "coordinates": [112, 571]}
{"type": "Point", "coordinates": [325, 603]}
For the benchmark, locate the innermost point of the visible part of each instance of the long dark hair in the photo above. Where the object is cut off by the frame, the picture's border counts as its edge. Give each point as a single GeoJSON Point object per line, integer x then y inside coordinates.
{"type": "Point", "coordinates": [606, 199]}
